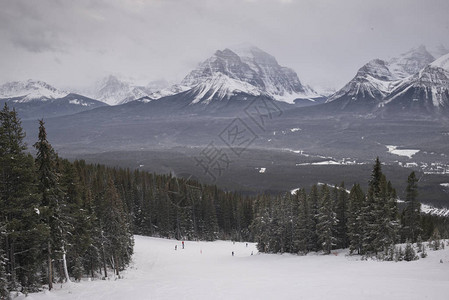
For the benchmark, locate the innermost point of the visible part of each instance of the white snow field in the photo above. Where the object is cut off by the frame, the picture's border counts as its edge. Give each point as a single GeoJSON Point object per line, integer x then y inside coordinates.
{"type": "Point", "coordinates": [207, 270]}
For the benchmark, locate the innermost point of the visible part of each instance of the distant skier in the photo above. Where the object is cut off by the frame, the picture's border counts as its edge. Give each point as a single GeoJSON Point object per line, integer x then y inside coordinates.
{"type": "Point", "coordinates": [251, 252]}
{"type": "Point", "coordinates": [246, 245]}
{"type": "Point", "coordinates": [176, 247]}
{"type": "Point", "coordinates": [232, 253]}
{"type": "Point", "coordinates": [182, 244]}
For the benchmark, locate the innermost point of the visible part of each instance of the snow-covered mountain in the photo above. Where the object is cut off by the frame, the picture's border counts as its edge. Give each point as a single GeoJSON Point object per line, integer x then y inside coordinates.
{"type": "Point", "coordinates": [37, 99]}
{"type": "Point", "coordinates": [428, 89]}
{"type": "Point", "coordinates": [410, 62]}
{"type": "Point", "coordinates": [25, 91]}
{"type": "Point", "coordinates": [114, 91]}
{"type": "Point", "coordinates": [168, 90]}
{"type": "Point", "coordinates": [227, 73]}
{"type": "Point", "coordinates": [378, 78]}
{"type": "Point", "coordinates": [249, 71]}
{"type": "Point", "coordinates": [219, 86]}
{"type": "Point", "coordinates": [372, 83]}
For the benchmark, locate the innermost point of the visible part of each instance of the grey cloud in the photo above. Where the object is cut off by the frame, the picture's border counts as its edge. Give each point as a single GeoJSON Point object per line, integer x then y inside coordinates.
{"type": "Point", "coordinates": [324, 41]}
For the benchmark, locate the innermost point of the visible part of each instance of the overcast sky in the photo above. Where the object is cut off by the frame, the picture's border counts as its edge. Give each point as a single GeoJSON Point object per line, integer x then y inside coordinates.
{"type": "Point", "coordinates": [73, 43]}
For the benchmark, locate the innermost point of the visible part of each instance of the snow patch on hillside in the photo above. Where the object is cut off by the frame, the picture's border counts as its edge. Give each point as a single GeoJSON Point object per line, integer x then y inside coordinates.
{"type": "Point", "coordinates": [221, 87]}
{"type": "Point", "coordinates": [429, 209]}
{"type": "Point", "coordinates": [78, 102]}
{"type": "Point", "coordinates": [442, 62]}
{"type": "Point", "coordinates": [401, 152]}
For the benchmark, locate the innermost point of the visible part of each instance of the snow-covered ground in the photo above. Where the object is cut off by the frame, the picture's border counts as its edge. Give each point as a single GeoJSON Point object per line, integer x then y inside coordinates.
{"type": "Point", "coordinates": [207, 270]}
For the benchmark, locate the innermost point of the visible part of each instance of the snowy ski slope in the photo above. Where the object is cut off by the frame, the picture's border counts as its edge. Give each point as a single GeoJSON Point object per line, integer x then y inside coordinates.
{"type": "Point", "coordinates": [207, 270]}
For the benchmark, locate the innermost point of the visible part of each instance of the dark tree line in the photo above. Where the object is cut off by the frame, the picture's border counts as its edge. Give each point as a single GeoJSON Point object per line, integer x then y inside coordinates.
{"type": "Point", "coordinates": [53, 225]}
{"type": "Point", "coordinates": [329, 218]}
{"type": "Point", "coordinates": [171, 207]}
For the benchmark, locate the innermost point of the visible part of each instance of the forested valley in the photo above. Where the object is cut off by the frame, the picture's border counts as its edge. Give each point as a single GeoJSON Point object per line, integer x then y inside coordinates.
{"type": "Point", "coordinates": [62, 220]}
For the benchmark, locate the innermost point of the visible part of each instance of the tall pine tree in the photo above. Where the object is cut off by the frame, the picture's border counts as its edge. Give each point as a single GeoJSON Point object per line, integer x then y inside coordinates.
{"type": "Point", "coordinates": [52, 198]}
{"type": "Point", "coordinates": [326, 221]}
{"type": "Point", "coordinates": [19, 206]}
{"type": "Point", "coordinates": [411, 220]}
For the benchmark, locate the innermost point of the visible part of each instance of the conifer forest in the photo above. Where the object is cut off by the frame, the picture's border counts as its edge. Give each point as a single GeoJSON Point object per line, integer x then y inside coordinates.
{"type": "Point", "coordinates": [63, 220]}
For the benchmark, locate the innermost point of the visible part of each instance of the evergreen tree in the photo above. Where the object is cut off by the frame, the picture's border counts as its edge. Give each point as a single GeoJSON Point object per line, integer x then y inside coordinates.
{"type": "Point", "coordinates": [371, 210]}
{"type": "Point", "coordinates": [356, 222]}
{"type": "Point", "coordinates": [326, 221]}
{"type": "Point", "coordinates": [19, 206]}
{"type": "Point", "coordinates": [386, 223]}
{"type": "Point", "coordinates": [305, 222]}
{"type": "Point", "coordinates": [435, 240]}
{"type": "Point", "coordinates": [52, 196]}
{"type": "Point", "coordinates": [118, 237]}
{"type": "Point", "coordinates": [411, 214]}
{"type": "Point", "coordinates": [379, 213]}
{"type": "Point", "coordinates": [4, 292]}
{"type": "Point", "coordinates": [262, 222]}
{"type": "Point", "coordinates": [409, 252]}
{"type": "Point", "coordinates": [313, 205]}
{"type": "Point", "coordinates": [341, 211]}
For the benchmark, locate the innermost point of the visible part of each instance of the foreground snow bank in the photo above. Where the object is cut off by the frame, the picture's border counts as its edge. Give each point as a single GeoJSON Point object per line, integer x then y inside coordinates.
{"type": "Point", "coordinates": [207, 270]}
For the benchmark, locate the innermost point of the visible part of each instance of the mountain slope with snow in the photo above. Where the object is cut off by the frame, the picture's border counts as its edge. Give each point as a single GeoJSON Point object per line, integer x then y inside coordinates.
{"type": "Point", "coordinates": [427, 90]}
{"type": "Point", "coordinates": [114, 91]}
{"type": "Point", "coordinates": [372, 83]}
{"type": "Point", "coordinates": [410, 62]}
{"type": "Point", "coordinates": [25, 91]}
{"type": "Point", "coordinates": [376, 80]}
{"type": "Point", "coordinates": [37, 99]}
{"type": "Point", "coordinates": [252, 72]}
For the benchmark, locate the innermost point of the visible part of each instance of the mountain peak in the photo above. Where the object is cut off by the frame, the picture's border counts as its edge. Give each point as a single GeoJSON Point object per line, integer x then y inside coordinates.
{"type": "Point", "coordinates": [113, 90]}
{"type": "Point", "coordinates": [442, 62]}
{"type": "Point", "coordinates": [439, 51]}
{"type": "Point", "coordinates": [248, 68]}
{"type": "Point", "coordinates": [376, 68]}
{"type": "Point", "coordinates": [410, 62]}
{"type": "Point", "coordinates": [30, 90]}
{"type": "Point", "coordinates": [427, 90]}
{"type": "Point", "coordinates": [226, 53]}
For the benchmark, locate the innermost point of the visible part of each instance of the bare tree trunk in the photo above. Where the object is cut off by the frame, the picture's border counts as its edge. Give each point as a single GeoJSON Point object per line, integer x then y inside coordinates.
{"type": "Point", "coordinates": [50, 268]}
{"type": "Point", "coordinates": [114, 259]}
{"type": "Point", "coordinates": [92, 268]}
{"type": "Point", "coordinates": [64, 260]}
{"type": "Point", "coordinates": [104, 262]}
